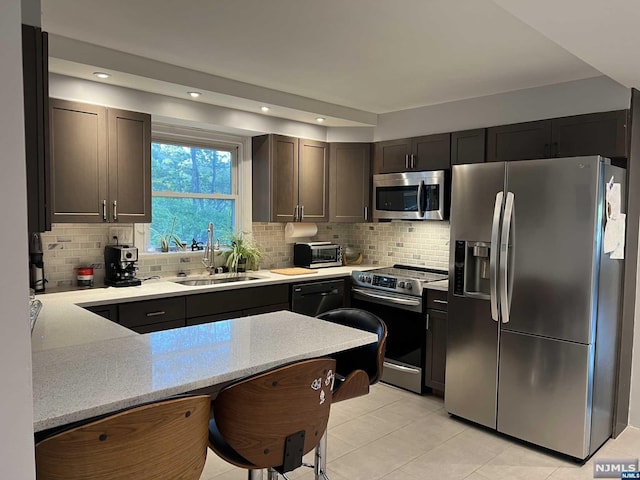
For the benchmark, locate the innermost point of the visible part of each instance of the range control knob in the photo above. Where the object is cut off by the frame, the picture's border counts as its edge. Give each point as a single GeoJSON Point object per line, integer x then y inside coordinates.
{"type": "Point", "coordinates": [361, 278]}
{"type": "Point", "coordinates": [367, 279]}
{"type": "Point", "coordinates": [400, 284]}
{"type": "Point", "coordinates": [409, 286]}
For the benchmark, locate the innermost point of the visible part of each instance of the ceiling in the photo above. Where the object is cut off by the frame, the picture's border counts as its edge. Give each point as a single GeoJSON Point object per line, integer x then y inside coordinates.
{"type": "Point", "coordinates": [346, 60]}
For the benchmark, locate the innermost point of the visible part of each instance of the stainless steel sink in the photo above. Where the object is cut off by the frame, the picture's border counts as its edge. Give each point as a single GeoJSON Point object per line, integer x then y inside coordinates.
{"type": "Point", "coordinates": [214, 281]}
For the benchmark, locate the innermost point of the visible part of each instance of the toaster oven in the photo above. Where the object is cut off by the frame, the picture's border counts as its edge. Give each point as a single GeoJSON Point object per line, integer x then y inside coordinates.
{"type": "Point", "coordinates": [317, 254]}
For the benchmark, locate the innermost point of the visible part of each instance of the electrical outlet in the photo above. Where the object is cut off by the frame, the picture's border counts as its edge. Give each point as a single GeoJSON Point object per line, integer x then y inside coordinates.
{"type": "Point", "coordinates": [124, 234]}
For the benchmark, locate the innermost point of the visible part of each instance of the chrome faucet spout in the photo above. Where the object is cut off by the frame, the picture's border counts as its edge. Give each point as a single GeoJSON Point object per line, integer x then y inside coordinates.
{"type": "Point", "coordinates": [209, 259]}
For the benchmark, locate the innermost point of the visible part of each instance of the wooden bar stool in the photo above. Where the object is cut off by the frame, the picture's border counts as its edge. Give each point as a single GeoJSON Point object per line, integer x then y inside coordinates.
{"type": "Point", "coordinates": [166, 440]}
{"type": "Point", "coordinates": [356, 369]}
{"type": "Point", "coordinates": [269, 421]}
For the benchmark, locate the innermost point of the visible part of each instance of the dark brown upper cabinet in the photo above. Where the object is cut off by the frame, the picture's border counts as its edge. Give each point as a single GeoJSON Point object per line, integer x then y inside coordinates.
{"type": "Point", "coordinates": [290, 179]}
{"type": "Point", "coordinates": [100, 164]}
{"type": "Point", "coordinates": [350, 182]}
{"type": "Point", "coordinates": [430, 152]}
{"type": "Point", "coordinates": [468, 146]}
{"type": "Point", "coordinates": [35, 75]}
{"type": "Point", "coordinates": [592, 134]}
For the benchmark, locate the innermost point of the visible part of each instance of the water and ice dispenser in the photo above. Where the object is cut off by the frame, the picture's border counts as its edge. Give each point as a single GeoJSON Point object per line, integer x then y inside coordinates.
{"type": "Point", "coordinates": [471, 269]}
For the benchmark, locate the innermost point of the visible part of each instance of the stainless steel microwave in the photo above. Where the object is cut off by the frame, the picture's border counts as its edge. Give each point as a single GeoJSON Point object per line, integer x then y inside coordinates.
{"type": "Point", "coordinates": [317, 255]}
{"type": "Point", "coordinates": [411, 196]}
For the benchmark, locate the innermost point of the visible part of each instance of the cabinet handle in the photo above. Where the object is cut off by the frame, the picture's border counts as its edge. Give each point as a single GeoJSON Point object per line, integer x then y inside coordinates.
{"type": "Point", "coordinates": [546, 150]}
{"type": "Point", "coordinates": [156, 314]}
{"type": "Point", "coordinates": [366, 213]}
{"type": "Point", "coordinates": [115, 210]}
{"type": "Point", "coordinates": [406, 161]}
{"type": "Point", "coordinates": [413, 161]}
{"type": "Point", "coordinates": [427, 321]}
{"type": "Point", "coordinates": [104, 210]}
{"type": "Point", "coordinates": [554, 151]}
{"type": "Point", "coordinates": [444, 302]}
{"type": "Point", "coordinates": [301, 213]}
{"type": "Point", "coordinates": [295, 214]}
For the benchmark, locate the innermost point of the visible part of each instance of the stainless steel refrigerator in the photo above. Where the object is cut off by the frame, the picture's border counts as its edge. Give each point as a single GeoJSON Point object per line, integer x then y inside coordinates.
{"type": "Point", "coordinates": [533, 301]}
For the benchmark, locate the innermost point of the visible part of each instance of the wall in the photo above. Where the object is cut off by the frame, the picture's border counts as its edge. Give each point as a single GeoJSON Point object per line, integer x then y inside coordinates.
{"type": "Point", "coordinates": [16, 415]}
{"type": "Point", "coordinates": [597, 94]}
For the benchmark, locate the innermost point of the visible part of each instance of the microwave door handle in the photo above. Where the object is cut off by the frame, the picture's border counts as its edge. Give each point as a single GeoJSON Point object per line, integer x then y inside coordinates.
{"type": "Point", "coordinates": [420, 190]}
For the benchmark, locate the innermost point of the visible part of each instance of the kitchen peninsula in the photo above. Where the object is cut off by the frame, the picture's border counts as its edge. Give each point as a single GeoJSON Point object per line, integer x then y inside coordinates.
{"type": "Point", "coordinates": [84, 365]}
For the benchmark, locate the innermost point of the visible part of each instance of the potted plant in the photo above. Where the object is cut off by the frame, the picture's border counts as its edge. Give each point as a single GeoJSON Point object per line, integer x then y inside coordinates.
{"type": "Point", "coordinates": [167, 238]}
{"type": "Point", "coordinates": [244, 254]}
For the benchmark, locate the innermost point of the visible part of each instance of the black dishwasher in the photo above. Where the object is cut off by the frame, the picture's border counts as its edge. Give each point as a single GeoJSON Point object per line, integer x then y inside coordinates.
{"type": "Point", "coordinates": [317, 297]}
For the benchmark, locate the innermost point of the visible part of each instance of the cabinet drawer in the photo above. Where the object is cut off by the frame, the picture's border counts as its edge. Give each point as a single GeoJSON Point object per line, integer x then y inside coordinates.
{"type": "Point", "coordinates": [233, 300]}
{"type": "Point", "coordinates": [437, 300]}
{"type": "Point", "coordinates": [157, 327]}
{"type": "Point", "coordinates": [151, 311]}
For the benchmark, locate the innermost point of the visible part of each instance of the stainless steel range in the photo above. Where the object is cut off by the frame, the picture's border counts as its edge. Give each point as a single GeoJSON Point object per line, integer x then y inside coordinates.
{"type": "Point", "coordinates": [395, 294]}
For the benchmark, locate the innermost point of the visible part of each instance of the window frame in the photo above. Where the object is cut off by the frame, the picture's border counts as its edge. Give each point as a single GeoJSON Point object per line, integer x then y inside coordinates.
{"type": "Point", "coordinates": [209, 139]}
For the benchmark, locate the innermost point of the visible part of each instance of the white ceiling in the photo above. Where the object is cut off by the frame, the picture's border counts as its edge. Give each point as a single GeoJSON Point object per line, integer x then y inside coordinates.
{"type": "Point", "coordinates": [344, 59]}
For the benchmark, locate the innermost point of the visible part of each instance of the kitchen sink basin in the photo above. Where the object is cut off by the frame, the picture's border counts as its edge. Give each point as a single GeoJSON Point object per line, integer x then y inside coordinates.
{"type": "Point", "coordinates": [214, 281]}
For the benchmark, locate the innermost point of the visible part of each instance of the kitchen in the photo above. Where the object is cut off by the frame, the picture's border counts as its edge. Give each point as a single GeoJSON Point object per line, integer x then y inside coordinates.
{"type": "Point", "coordinates": [544, 98]}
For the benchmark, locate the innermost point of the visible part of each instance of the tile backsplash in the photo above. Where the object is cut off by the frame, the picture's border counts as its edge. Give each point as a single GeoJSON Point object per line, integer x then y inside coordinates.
{"type": "Point", "coordinates": [68, 246]}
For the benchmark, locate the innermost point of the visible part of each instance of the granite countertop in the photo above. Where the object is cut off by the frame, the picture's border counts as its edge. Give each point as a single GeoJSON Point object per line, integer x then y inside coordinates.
{"type": "Point", "coordinates": [80, 381]}
{"type": "Point", "coordinates": [64, 322]}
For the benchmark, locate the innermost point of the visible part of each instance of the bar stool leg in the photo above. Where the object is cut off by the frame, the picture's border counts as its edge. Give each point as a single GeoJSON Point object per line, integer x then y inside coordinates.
{"type": "Point", "coordinates": [272, 474]}
{"type": "Point", "coordinates": [320, 468]}
{"type": "Point", "coordinates": [255, 474]}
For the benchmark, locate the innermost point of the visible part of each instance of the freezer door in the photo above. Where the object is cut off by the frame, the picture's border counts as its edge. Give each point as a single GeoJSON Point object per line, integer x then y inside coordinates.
{"type": "Point", "coordinates": [471, 376]}
{"type": "Point", "coordinates": [556, 225]}
{"type": "Point", "coordinates": [543, 394]}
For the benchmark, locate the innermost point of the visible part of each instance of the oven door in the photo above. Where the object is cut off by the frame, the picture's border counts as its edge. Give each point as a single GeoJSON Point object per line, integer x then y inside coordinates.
{"type": "Point", "coordinates": [406, 324]}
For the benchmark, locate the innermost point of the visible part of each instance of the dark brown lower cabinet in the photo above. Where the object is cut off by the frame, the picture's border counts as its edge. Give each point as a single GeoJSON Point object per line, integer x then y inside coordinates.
{"type": "Point", "coordinates": [162, 314]}
{"type": "Point", "coordinates": [436, 340]}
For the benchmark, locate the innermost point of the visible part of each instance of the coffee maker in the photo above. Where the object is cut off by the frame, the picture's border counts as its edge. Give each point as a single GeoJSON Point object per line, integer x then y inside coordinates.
{"type": "Point", "coordinates": [120, 263]}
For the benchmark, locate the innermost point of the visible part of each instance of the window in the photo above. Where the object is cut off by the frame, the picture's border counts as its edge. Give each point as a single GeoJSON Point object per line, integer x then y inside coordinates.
{"type": "Point", "coordinates": [192, 185]}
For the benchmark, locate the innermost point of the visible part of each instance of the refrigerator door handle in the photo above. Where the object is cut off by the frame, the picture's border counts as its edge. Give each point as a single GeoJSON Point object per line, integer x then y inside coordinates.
{"type": "Point", "coordinates": [493, 256]}
{"type": "Point", "coordinates": [506, 277]}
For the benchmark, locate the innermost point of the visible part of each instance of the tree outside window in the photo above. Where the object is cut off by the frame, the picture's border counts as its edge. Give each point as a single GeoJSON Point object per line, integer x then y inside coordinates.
{"type": "Point", "coordinates": [195, 185]}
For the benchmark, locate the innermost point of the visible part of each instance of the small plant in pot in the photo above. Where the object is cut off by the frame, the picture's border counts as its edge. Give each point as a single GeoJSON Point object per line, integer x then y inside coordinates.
{"type": "Point", "coordinates": [168, 238]}
{"type": "Point", "coordinates": [244, 254]}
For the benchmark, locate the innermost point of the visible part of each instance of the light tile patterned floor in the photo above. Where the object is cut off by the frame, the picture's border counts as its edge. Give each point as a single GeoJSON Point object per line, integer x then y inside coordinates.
{"type": "Point", "coordinates": [392, 434]}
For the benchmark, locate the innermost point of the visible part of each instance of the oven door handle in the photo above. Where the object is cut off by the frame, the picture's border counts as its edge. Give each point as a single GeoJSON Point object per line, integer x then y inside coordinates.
{"type": "Point", "coordinates": [396, 300]}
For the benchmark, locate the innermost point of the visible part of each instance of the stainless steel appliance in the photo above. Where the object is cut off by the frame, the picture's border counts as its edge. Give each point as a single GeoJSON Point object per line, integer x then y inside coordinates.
{"type": "Point", "coordinates": [533, 301]}
{"type": "Point", "coordinates": [121, 264]}
{"type": "Point", "coordinates": [317, 255]}
{"type": "Point", "coordinates": [317, 297]}
{"type": "Point", "coordinates": [411, 196]}
{"type": "Point", "coordinates": [396, 296]}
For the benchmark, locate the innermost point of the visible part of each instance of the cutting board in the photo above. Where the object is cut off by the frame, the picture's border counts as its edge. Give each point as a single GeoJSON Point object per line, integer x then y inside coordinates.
{"type": "Point", "coordinates": [293, 271]}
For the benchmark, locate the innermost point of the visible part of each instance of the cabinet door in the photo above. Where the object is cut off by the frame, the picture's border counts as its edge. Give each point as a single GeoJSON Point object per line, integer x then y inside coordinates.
{"type": "Point", "coordinates": [284, 189]}
{"type": "Point", "coordinates": [78, 162]}
{"type": "Point", "coordinates": [594, 134]}
{"type": "Point", "coordinates": [436, 349]}
{"type": "Point", "coordinates": [313, 181]}
{"type": "Point", "coordinates": [129, 166]}
{"type": "Point", "coordinates": [35, 68]}
{"type": "Point", "coordinates": [520, 141]}
{"type": "Point", "coordinates": [468, 146]}
{"type": "Point", "coordinates": [392, 156]}
{"type": "Point", "coordinates": [350, 182]}
{"type": "Point", "coordinates": [431, 152]}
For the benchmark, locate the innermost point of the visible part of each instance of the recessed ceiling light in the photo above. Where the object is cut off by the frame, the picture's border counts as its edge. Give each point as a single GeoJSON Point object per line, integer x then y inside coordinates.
{"type": "Point", "coordinates": [101, 75]}
{"type": "Point", "coordinates": [265, 109]}
{"type": "Point", "coordinates": [194, 94]}
{"type": "Point", "coordinates": [320, 119]}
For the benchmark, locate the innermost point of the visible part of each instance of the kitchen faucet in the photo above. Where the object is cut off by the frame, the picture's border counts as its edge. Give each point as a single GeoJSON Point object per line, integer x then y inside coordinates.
{"type": "Point", "coordinates": [209, 259]}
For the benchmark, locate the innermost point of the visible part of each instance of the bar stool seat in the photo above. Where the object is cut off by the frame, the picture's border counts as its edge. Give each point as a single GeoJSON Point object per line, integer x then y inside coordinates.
{"type": "Point", "coordinates": [269, 421]}
{"type": "Point", "coordinates": [165, 440]}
